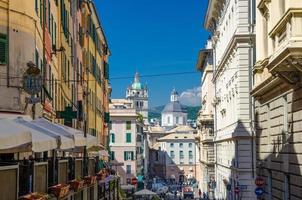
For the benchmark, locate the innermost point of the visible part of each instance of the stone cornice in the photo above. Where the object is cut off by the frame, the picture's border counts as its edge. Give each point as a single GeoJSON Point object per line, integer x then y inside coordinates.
{"type": "Point", "coordinates": [237, 38]}
{"type": "Point", "coordinates": [281, 23]}
{"type": "Point", "coordinates": [260, 65]}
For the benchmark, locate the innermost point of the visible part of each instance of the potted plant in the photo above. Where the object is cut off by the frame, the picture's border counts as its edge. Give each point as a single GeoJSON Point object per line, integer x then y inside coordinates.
{"type": "Point", "coordinates": [89, 180]}
{"type": "Point", "coordinates": [34, 196]}
{"type": "Point", "coordinates": [60, 190]}
{"type": "Point", "coordinates": [76, 184]}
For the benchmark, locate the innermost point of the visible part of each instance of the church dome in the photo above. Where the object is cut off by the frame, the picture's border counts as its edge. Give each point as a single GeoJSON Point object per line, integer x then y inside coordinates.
{"type": "Point", "coordinates": [136, 85]}
{"type": "Point", "coordinates": [174, 106]}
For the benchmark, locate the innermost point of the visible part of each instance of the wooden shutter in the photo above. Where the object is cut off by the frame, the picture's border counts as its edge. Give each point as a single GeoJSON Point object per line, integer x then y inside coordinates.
{"type": "Point", "coordinates": [125, 155]}
{"type": "Point", "coordinates": [3, 49]}
{"type": "Point", "coordinates": [132, 155]}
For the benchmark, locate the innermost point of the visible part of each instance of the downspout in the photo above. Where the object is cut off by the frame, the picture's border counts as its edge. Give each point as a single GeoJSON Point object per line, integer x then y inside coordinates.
{"type": "Point", "coordinates": [251, 83]}
{"type": "Point", "coordinates": [8, 54]}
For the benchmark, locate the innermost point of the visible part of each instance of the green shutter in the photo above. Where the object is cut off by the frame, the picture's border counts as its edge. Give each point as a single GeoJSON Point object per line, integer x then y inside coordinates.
{"type": "Point", "coordinates": [3, 49]}
{"type": "Point", "coordinates": [112, 138]}
{"type": "Point", "coordinates": [36, 7]}
{"type": "Point", "coordinates": [128, 137]}
{"type": "Point", "coordinates": [125, 155]}
{"type": "Point", "coordinates": [132, 155]}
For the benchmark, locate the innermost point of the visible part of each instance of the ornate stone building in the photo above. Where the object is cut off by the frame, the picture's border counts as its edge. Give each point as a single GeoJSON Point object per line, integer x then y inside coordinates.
{"type": "Point", "coordinates": [138, 94]}
{"type": "Point", "coordinates": [278, 97]}
{"type": "Point", "coordinates": [205, 121]}
{"type": "Point", "coordinates": [231, 25]}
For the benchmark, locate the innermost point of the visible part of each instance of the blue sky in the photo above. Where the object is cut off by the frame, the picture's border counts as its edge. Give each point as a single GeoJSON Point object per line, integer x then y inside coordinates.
{"type": "Point", "coordinates": [154, 37]}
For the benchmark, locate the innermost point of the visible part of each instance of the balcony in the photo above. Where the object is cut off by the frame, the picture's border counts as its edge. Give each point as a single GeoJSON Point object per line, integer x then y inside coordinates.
{"type": "Point", "coordinates": [207, 135]}
{"type": "Point", "coordinates": [286, 60]}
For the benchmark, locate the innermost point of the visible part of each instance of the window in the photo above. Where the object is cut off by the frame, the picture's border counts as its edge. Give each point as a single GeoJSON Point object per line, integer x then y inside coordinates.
{"type": "Point", "coordinates": [177, 120]}
{"type": "Point", "coordinates": [168, 120]}
{"type": "Point", "coordinates": [172, 145]}
{"type": "Point", "coordinates": [190, 145]}
{"type": "Point", "coordinates": [128, 137]}
{"type": "Point", "coordinates": [112, 138]}
{"type": "Point", "coordinates": [128, 155]}
{"type": "Point", "coordinates": [172, 155]}
{"type": "Point", "coordinates": [181, 145]}
{"type": "Point", "coordinates": [128, 169]}
{"type": "Point", "coordinates": [181, 154]}
{"type": "Point", "coordinates": [190, 154]}
{"type": "Point", "coordinates": [3, 49]}
{"type": "Point", "coordinates": [112, 155]}
{"type": "Point", "coordinates": [128, 125]}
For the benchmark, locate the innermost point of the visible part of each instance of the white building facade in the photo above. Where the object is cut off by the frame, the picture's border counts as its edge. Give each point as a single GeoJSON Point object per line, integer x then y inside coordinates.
{"type": "Point", "coordinates": [231, 23]}
{"type": "Point", "coordinates": [205, 121]}
{"type": "Point", "coordinates": [180, 156]}
{"type": "Point", "coordinates": [126, 140]}
{"type": "Point", "coordinates": [174, 113]}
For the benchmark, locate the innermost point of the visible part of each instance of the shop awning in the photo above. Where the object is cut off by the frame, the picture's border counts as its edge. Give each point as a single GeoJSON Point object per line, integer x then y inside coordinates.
{"type": "Point", "coordinates": [13, 138]}
{"type": "Point", "coordinates": [41, 140]}
{"type": "Point", "coordinates": [76, 135]}
{"type": "Point", "coordinates": [49, 128]}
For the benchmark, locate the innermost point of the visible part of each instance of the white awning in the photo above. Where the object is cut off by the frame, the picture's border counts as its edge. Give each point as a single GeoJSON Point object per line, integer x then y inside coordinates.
{"type": "Point", "coordinates": [92, 141]}
{"type": "Point", "coordinates": [49, 128]}
{"type": "Point", "coordinates": [78, 135]}
{"type": "Point", "coordinates": [13, 138]}
{"type": "Point", "coordinates": [41, 141]}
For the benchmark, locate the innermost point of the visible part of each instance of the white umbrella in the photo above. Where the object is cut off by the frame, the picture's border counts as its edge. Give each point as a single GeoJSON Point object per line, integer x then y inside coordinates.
{"type": "Point", "coordinates": [13, 138]}
{"type": "Point", "coordinates": [145, 192]}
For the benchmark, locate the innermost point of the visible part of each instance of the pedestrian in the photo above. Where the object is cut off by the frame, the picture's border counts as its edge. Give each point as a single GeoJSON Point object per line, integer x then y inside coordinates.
{"type": "Point", "coordinates": [199, 193]}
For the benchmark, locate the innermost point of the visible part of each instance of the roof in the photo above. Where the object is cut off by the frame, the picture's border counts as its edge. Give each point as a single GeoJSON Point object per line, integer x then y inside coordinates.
{"type": "Point", "coordinates": [178, 136]}
{"type": "Point", "coordinates": [182, 129]}
{"type": "Point", "coordinates": [174, 106]}
{"type": "Point", "coordinates": [156, 129]}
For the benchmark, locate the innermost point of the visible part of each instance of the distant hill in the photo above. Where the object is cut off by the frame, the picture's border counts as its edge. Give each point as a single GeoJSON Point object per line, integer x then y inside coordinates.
{"type": "Point", "coordinates": [155, 112]}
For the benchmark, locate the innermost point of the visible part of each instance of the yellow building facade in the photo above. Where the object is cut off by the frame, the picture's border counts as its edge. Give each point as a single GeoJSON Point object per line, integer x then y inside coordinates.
{"type": "Point", "coordinates": [278, 97]}
{"type": "Point", "coordinates": [66, 41]}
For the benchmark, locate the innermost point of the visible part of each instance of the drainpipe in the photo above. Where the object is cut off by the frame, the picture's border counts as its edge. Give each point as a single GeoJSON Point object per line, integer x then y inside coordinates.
{"type": "Point", "coordinates": [8, 63]}
{"type": "Point", "coordinates": [251, 83]}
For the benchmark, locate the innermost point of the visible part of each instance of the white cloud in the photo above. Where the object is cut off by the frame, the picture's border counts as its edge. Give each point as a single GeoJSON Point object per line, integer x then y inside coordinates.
{"type": "Point", "coordinates": [191, 97]}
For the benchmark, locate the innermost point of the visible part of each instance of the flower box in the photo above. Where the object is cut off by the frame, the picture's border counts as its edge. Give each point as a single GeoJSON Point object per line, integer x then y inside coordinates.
{"type": "Point", "coordinates": [60, 190]}
{"type": "Point", "coordinates": [76, 185]}
{"type": "Point", "coordinates": [34, 196]}
{"type": "Point", "coordinates": [89, 180]}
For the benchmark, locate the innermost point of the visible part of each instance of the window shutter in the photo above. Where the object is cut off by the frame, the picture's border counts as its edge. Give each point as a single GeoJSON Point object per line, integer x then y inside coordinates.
{"type": "Point", "coordinates": [132, 155]}
{"type": "Point", "coordinates": [3, 49]}
{"type": "Point", "coordinates": [125, 155]}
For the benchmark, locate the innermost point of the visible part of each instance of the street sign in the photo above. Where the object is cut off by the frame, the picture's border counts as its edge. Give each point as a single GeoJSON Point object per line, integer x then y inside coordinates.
{"type": "Point", "coordinates": [237, 190]}
{"type": "Point", "coordinates": [32, 81]}
{"type": "Point", "coordinates": [259, 181]}
{"type": "Point", "coordinates": [259, 191]}
{"type": "Point", "coordinates": [134, 181]}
